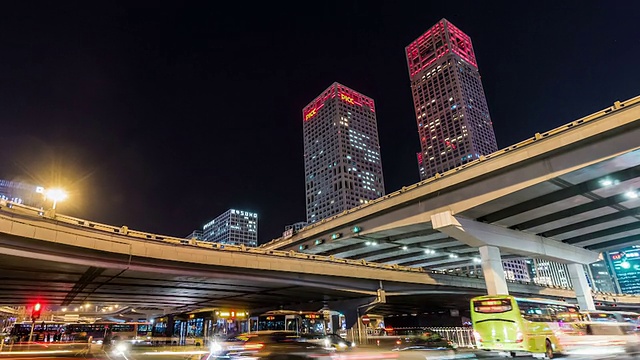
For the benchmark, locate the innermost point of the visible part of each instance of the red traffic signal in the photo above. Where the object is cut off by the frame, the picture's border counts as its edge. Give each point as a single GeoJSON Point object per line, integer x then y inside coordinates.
{"type": "Point", "coordinates": [37, 309]}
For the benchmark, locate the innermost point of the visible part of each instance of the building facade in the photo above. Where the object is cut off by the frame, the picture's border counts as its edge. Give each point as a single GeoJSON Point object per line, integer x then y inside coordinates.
{"type": "Point", "coordinates": [549, 273]}
{"type": "Point", "coordinates": [600, 278]}
{"type": "Point", "coordinates": [235, 227]}
{"type": "Point", "coordinates": [343, 167]}
{"type": "Point", "coordinates": [451, 110]}
{"type": "Point", "coordinates": [22, 193]}
{"type": "Point", "coordinates": [625, 266]}
{"type": "Point", "coordinates": [516, 270]}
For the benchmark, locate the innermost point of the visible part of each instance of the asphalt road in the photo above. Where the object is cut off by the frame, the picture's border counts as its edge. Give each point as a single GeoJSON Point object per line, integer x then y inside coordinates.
{"type": "Point", "coordinates": [190, 353]}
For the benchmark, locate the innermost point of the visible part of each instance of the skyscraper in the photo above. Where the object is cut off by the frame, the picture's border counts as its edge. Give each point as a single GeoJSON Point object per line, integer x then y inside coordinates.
{"type": "Point", "coordinates": [342, 161]}
{"type": "Point", "coordinates": [451, 110]}
{"type": "Point", "coordinates": [234, 227]}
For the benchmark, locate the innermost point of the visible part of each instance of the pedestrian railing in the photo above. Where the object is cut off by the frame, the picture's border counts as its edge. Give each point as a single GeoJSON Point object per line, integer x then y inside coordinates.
{"type": "Point", "coordinates": [461, 337]}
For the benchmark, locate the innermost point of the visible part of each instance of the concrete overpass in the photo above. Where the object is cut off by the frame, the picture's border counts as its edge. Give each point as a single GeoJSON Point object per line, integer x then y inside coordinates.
{"type": "Point", "coordinates": [563, 195]}
{"type": "Point", "coordinates": [68, 262]}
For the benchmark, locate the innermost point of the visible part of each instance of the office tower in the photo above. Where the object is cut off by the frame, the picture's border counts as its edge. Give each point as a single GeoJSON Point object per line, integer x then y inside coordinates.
{"type": "Point", "coordinates": [600, 278]}
{"type": "Point", "coordinates": [22, 193]}
{"type": "Point", "coordinates": [289, 230]}
{"type": "Point", "coordinates": [451, 110]}
{"type": "Point", "coordinates": [516, 270]}
{"type": "Point", "coordinates": [234, 227]}
{"type": "Point", "coordinates": [550, 273]}
{"type": "Point", "coordinates": [342, 161]}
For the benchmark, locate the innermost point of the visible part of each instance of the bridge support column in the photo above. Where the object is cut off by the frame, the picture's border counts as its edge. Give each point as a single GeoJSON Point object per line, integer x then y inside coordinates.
{"type": "Point", "coordinates": [581, 286]}
{"type": "Point", "coordinates": [493, 271]}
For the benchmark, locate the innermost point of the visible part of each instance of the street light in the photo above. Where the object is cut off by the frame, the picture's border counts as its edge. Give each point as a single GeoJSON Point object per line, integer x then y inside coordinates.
{"type": "Point", "coordinates": [56, 195]}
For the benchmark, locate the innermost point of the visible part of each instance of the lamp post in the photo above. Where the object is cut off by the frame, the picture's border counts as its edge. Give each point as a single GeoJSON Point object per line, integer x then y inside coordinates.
{"type": "Point", "coordinates": [56, 195]}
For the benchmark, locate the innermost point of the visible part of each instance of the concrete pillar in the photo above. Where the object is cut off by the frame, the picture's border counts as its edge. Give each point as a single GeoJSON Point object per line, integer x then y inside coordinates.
{"type": "Point", "coordinates": [493, 271]}
{"type": "Point", "coordinates": [581, 287]}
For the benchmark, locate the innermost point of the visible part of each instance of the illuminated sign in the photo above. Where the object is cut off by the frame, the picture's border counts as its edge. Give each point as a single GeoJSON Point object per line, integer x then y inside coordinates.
{"type": "Point", "coordinates": [271, 317]}
{"type": "Point", "coordinates": [310, 114]}
{"type": "Point", "coordinates": [493, 302]}
{"type": "Point", "coordinates": [313, 316]}
{"type": "Point", "coordinates": [616, 256]}
{"type": "Point", "coordinates": [346, 98]}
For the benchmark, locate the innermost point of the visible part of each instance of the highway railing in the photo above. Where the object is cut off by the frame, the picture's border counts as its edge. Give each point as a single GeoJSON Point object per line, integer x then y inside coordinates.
{"type": "Point", "coordinates": [48, 215]}
{"type": "Point", "coordinates": [462, 337]}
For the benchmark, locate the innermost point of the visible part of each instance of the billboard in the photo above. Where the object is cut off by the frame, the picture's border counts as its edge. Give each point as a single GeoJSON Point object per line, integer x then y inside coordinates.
{"type": "Point", "coordinates": [626, 266]}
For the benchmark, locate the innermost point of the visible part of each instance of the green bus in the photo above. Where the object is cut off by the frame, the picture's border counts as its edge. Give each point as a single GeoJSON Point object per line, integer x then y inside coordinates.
{"type": "Point", "coordinates": [514, 326]}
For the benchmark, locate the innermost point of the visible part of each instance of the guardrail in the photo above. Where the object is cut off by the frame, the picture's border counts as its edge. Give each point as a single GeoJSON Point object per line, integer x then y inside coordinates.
{"type": "Point", "coordinates": [25, 210]}
{"type": "Point", "coordinates": [461, 336]}
{"type": "Point", "coordinates": [618, 105]}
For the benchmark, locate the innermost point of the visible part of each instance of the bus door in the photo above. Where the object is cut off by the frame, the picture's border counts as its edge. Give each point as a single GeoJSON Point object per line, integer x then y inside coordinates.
{"type": "Point", "coordinates": [292, 323]}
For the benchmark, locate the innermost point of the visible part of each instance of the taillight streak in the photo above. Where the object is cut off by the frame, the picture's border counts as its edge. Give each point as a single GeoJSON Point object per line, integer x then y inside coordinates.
{"type": "Point", "coordinates": [253, 346]}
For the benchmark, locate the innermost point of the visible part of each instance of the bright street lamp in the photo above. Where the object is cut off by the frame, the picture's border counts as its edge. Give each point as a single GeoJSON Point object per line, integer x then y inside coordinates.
{"type": "Point", "coordinates": [56, 195]}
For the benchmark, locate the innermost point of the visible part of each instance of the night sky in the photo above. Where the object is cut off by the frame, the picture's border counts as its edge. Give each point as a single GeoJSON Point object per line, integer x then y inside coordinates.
{"type": "Point", "coordinates": [162, 115]}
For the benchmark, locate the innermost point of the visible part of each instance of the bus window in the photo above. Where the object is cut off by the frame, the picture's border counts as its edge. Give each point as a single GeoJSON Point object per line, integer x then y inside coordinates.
{"type": "Point", "coordinates": [534, 312]}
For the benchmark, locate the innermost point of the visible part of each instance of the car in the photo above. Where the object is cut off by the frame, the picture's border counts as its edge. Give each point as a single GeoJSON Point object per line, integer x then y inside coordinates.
{"type": "Point", "coordinates": [430, 346]}
{"type": "Point", "coordinates": [329, 341]}
{"type": "Point", "coordinates": [589, 339]}
{"type": "Point", "coordinates": [274, 345]}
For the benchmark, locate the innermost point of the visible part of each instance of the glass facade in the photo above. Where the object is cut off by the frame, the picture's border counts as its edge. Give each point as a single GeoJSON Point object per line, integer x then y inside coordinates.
{"type": "Point", "coordinates": [451, 110]}
{"type": "Point", "coordinates": [235, 227]}
{"type": "Point", "coordinates": [600, 279]}
{"type": "Point", "coordinates": [343, 168]}
{"type": "Point", "coordinates": [516, 270]}
{"type": "Point", "coordinates": [545, 272]}
{"type": "Point", "coordinates": [625, 264]}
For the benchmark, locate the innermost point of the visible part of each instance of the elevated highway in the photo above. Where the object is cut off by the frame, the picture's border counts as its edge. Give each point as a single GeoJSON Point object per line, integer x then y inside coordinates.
{"type": "Point", "coordinates": [68, 261]}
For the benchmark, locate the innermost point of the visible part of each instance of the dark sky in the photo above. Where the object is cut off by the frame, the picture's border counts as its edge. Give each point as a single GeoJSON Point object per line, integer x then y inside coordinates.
{"type": "Point", "coordinates": [162, 115]}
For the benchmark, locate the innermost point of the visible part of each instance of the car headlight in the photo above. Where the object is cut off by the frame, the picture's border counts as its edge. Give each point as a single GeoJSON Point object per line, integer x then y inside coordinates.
{"type": "Point", "coordinates": [215, 347]}
{"type": "Point", "coordinates": [121, 348]}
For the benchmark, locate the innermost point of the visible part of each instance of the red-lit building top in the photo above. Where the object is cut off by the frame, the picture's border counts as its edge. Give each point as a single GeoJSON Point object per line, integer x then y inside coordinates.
{"type": "Point", "coordinates": [441, 39]}
{"type": "Point", "coordinates": [340, 91]}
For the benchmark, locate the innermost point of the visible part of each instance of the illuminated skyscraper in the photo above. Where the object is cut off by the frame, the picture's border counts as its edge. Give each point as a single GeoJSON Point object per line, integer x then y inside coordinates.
{"type": "Point", "coordinates": [234, 227]}
{"type": "Point", "coordinates": [451, 110]}
{"type": "Point", "coordinates": [342, 161]}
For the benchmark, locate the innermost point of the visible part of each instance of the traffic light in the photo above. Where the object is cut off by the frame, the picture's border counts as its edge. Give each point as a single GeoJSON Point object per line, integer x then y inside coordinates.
{"type": "Point", "coordinates": [37, 309]}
